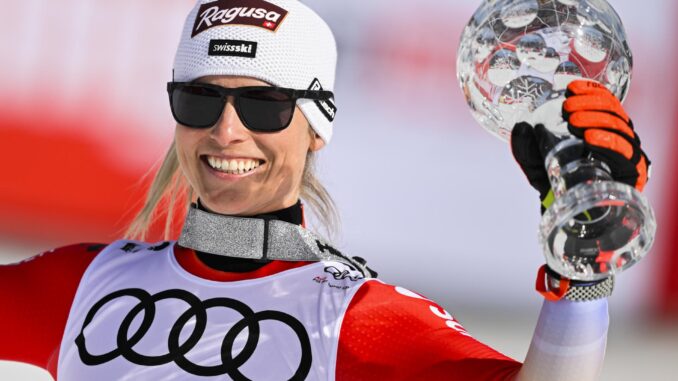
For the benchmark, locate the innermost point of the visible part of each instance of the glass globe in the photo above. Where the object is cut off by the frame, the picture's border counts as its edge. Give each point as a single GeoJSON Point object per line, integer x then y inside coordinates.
{"type": "Point", "coordinates": [514, 63]}
{"type": "Point", "coordinates": [517, 57]}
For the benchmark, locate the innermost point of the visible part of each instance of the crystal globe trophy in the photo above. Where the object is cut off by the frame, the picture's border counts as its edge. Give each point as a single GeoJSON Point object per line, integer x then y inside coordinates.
{"type": "Point", "coordinates": [514, 63]}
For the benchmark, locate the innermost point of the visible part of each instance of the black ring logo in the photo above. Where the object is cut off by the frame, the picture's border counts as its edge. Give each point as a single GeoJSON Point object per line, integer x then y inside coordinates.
{"type": "Point", "coordinates": [177, 351]}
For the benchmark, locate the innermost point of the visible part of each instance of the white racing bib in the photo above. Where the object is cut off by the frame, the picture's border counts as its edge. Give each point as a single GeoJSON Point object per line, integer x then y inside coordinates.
{"type": "Point", "coordinates": [138, 315]}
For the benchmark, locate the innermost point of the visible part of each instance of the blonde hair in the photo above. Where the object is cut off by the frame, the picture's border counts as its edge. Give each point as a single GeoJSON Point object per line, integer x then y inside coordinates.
{"type": "Point", "coordinates": [170, 195]}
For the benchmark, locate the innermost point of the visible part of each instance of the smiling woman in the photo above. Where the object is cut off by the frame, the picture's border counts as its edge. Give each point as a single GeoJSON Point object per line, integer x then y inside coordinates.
{"type": "Point", "coordinates": [247, 292]}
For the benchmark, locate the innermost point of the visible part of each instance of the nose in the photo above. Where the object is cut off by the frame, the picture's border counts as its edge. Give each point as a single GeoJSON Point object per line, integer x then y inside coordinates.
{"type": "Point", "coordinates": [229, 128]}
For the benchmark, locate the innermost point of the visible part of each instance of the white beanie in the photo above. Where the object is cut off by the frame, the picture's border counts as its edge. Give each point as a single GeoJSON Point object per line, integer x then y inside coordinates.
{"type": "Point", "coordinates": [282, 42]}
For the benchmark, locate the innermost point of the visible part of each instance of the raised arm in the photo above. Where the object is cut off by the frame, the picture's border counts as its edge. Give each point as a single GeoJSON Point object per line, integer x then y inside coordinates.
{"type": "Point", "coordinates": [400, 335]}
{"type": "Point", "coordinates": [569, 341]}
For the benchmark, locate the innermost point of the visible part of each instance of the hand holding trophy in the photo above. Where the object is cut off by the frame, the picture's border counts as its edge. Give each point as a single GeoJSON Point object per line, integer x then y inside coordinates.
{"type": "Point", "coordinates": [516, 65]}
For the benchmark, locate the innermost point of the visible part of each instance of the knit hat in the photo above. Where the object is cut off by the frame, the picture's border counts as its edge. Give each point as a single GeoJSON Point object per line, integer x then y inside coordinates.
{"type": "Point", "coordinates": [282, 42]}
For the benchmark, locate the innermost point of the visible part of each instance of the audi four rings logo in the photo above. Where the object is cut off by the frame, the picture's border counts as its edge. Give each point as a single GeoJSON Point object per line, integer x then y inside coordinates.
{"type": "Point", "coordinates": [177, 350]}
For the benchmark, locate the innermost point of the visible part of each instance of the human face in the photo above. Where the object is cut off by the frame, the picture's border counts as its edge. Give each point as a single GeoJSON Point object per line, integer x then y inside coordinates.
{"type": "Point", "coordinates": [281, 157]}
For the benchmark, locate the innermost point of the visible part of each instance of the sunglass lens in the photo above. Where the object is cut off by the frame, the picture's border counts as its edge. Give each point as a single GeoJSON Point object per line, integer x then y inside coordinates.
{"type": "Point", "coordinates": [266, 110]}
{"type": "Point", "coordinates": [196, 106]}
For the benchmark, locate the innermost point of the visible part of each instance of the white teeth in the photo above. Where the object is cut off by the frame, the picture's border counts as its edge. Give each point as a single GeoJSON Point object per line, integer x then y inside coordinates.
{"type": "Point", "coordinates": [232, 166]}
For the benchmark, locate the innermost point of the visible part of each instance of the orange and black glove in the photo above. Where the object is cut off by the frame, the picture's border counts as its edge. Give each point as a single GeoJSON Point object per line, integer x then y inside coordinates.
{"type": "Point", "coordinates": [597, 117]}
{"type": "Point", "coordinates": [594, 115]}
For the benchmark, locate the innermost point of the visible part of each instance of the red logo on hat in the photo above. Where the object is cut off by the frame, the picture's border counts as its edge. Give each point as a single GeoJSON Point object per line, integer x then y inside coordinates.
{"type": "Point", "coordinates": [257, 13]}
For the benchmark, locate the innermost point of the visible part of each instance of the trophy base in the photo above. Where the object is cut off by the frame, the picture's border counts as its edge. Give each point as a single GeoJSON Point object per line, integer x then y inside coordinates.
{"type": "Point", "coordinates": [595, 230]}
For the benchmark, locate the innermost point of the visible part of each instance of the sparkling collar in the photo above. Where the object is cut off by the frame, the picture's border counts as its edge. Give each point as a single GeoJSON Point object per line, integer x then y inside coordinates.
{"type": "Point", "coordinates": [261, 238]}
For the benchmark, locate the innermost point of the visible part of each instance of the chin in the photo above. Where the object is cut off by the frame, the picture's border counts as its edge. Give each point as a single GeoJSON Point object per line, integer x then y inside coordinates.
{"type": "Point", "coordinates": [231, 208]}
{"type": "Point", "coordinates": [227, 205]}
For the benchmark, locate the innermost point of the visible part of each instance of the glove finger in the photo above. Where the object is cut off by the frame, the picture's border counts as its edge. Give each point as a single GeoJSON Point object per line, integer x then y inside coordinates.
{"type": "Point", "coordinates": [608, 104]}
{"type": "Point", "coordinates": [584, 87]}
{"type": "Point", "coordinates": [622, 169]}
{"type": "Point", "coordinates": [602, 120]}
{"type": "Point", "coordinates": [546, 140]}
{"type": "Point", "coordinates": [524, 146]}
{"type": "Point", "coordinates": [611, 141]}
{"type": "Point", "coordinates": [525, 149]}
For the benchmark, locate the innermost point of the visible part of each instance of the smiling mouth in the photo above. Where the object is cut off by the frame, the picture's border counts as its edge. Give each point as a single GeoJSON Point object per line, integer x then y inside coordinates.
{"type": "Point", "coordinates": [232, 167]}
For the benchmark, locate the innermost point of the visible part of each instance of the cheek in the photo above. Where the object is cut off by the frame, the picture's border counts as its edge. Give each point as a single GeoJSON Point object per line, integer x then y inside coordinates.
{"type": "Point", "coordinates": [291, 147]}
{"type": "Point", "coordinates": [287, 155]}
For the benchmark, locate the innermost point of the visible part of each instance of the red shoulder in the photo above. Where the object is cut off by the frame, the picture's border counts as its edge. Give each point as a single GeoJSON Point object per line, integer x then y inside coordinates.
{"type": "Point", "coordinates": [36, 295]}
{"type": "Point", "coordinates": [401, 335]}
{"type": "Point", "coordinates": [64, 264]}
{"type": "Point", "coordinates": [81, 252]}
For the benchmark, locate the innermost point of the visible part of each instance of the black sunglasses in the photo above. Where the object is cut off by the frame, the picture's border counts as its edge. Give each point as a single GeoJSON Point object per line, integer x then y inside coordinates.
{"type": "Point", "coordinates": [260, 108]}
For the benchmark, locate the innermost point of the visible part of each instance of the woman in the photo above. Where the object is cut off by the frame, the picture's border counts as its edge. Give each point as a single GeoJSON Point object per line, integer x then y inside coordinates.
{"type": "Point", "coordinates": [247, 292]}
